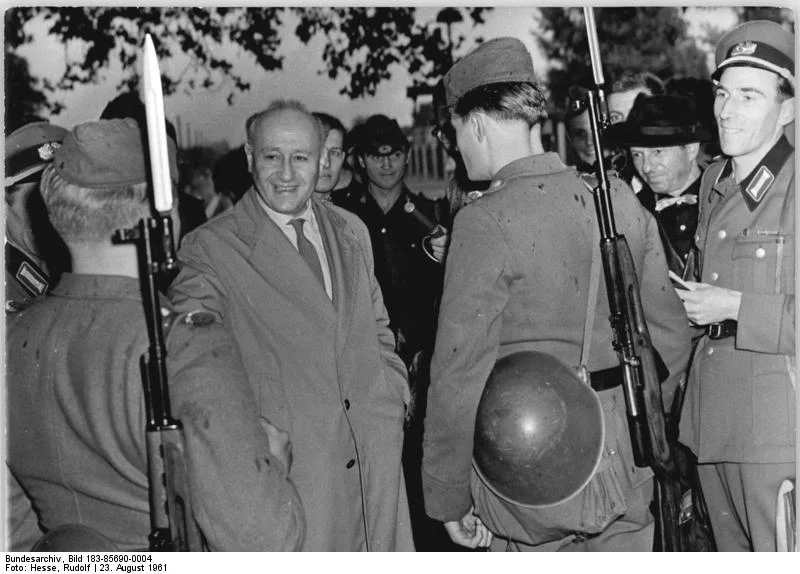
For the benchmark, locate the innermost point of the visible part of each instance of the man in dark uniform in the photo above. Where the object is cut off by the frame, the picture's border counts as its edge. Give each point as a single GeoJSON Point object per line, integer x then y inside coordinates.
{"type": "Point", "coordinates": [407, 269]}
{"type": "Point", "coordinates": [518, 279]}
{"type": "Point", "coordinates": [662, 135]}
{"type": "Point", "coordinates": [739, 414]}
{"type": "Point", "coordinates": [76, 413]}
{"type": "Point", "coordinates": [406, 266]}
{"type": "Point", "coordinates": [35, 254]}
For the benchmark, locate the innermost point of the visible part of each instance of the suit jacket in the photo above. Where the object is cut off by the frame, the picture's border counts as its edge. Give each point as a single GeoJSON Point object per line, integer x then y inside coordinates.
{"type": "Point", "coordinates": [324, 370]}
{"type": "Point", "coordinates": [740, 402]}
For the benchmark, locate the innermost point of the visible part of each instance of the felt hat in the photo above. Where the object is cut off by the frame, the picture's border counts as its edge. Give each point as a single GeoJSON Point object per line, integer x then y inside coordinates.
{"type": "Point", "coordinates": [659, 121]}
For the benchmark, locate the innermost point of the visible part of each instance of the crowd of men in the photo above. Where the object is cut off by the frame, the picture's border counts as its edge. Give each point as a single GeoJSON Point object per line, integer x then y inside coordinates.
{"type": "Point", "coordinates": [330, 332]}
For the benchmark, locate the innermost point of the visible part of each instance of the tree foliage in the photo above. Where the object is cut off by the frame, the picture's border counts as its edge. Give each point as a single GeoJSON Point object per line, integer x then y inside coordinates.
{"type": "Point", "coordinates": [361, 44]}
{"type": "Point", "coordinates": [631, 40]}
{"type": "Point", "coordinates": [197, 34]}
{"type": "Point", "coordinates": [364, 43]}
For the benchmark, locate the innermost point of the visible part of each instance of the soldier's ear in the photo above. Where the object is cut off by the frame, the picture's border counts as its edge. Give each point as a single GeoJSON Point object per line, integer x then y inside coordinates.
{"type": "Point", "coordinates": [248, 151]}
{"type": "Point", "coordinates": [787, 111]}
{"type": "Point", "coordinates": [477, 123]}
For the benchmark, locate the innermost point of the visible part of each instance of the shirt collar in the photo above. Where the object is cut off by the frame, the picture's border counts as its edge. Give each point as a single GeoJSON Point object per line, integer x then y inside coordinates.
{"type": "Point", "coordinates": [85, 286]}
{"type": "Point", "coordinates": [283, 219]}
{"type": "Point", "coordinates": [773, 161]}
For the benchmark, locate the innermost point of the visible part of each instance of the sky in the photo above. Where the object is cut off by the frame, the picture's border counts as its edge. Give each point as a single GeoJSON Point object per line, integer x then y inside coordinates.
{"type": "Point", "coordinates": [211, 119]}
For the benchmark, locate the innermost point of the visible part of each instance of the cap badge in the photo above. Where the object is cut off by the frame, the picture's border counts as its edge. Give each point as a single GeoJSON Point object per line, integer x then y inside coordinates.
{"type": "Point", "coordinates": [744, 49]}
{"type": "Point", "coordinates": [47, 150]}
{"type": "Point", "coordinates": [385, 149]}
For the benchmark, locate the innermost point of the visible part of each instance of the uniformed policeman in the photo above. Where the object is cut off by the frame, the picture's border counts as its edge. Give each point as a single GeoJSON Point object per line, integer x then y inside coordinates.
{"type": "Point", "coordinates": [518, 277]}
{"type": "Point", "coordinates": [35, 255]}
{"type": "Point", "coordinates": [739, 415]}
{"type": "Point", "coordinates": [76, 414]}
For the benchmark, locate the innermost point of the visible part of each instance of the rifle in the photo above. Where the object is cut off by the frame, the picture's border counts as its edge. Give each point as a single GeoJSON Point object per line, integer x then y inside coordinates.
{"type": "Point", "coordinates": [171, 517]}
{"type": "Point", "coordinates": [631, 340]}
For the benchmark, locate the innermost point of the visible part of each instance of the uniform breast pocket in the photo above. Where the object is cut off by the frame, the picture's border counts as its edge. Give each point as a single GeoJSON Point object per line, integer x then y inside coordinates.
{"type": "Point", "coordinates": [762, 260]}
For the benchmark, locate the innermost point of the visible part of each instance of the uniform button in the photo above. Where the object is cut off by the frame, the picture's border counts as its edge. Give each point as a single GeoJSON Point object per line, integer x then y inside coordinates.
{"type": "Point", "coordinates": [347, 404]}
{"type": "Point", "coordinates": [351, 462]}
{"type": "Point", "coordinates": [709, 352]}
{"type": "Point", "coordinates": [714, 276]}
{"type": "Point", "coordinates": [383, 230]}
{"type": "Point", "coordinates": [683, 228]}
{"type": "Point", "coordinates": [722, 234]}
{"type": "Point", "coordinates": [760, 253]}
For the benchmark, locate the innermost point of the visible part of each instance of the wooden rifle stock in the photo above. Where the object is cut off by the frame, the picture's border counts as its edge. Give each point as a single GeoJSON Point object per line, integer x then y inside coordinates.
{"type": "Point", "coordinates": [171, 516]}
{"type": "Point", "coordinates": [642, 388]}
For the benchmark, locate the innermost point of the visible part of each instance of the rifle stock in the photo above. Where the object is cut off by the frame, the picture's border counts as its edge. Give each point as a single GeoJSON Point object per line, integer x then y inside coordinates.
{"type": "Point", "coordinates": [632, 342]}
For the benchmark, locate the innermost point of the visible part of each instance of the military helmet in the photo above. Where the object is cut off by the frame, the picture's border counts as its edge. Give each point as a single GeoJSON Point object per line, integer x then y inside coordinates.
{"type": "Point", "coordinates": [538, 431]}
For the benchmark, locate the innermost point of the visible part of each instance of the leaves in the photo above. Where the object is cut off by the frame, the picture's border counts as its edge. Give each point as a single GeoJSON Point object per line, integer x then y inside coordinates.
{"type": "Point", "coordinates": [366, 45]}
{"type": "Point", "coordinates": [631, 40]}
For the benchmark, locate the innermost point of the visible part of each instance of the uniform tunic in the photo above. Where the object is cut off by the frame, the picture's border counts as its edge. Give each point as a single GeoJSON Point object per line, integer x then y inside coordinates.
{"type": "Point", "coordinates": [322, 369]}
{"type": "Point", "coordinates": [76, 422]}
{"type": "Point", "coordinates": [410, 281]}
{"type": "Point", "coordinates": [517, 278]}
{"type": "Point", "coordinates": [740, 401]}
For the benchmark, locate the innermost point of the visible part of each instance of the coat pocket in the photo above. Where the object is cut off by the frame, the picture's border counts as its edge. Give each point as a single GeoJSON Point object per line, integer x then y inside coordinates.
{"type": "Point", "coordinates": [773, 400]}
{"type": "Point", "coordinates": [761, 259]}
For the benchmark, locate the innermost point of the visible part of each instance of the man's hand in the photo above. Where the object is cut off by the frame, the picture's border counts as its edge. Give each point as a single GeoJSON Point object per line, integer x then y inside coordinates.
{"type": "Point", "coordinates": [280, 445]}
{"type": "Point", "coordinates": [469, 531]}
{"type": "Point", "coordinates": [706, 304]}
{"type": "Point", "coordinates": [436, 244]}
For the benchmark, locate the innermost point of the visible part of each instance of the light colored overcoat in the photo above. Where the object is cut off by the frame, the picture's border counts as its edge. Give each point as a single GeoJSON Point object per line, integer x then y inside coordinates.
{"type": "Point", "coordinates": [324, 370]}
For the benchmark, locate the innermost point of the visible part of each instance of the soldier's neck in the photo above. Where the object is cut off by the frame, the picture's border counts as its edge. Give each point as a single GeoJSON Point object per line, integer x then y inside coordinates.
{"type": "Point", "coordinates": [102, 259]}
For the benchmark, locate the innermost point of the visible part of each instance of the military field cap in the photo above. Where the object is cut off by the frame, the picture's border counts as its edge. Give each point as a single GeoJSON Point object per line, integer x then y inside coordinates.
{"type": "Point", "coordinates": [380, 135]}
{"type": "Point", "coordinates": [659, 121]}
{"type": "Point", "coordinates": [499, 60]}
{"type": "Point", "coordinates": [758, 44]}
{"type": "Point", "coordinates": [106, 153]}
{"type": "Point", "coordinates": [30, 148]}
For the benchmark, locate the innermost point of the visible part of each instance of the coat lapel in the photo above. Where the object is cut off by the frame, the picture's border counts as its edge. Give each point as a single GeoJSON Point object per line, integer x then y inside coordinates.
{"type": "Point", "coordinates": [274, 257]}
{"type": "Point", "coordinates": [343, 251]}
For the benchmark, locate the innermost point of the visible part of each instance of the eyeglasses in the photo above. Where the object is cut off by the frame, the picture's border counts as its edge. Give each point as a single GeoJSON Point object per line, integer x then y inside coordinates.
{"type": "Point", "coordinates": [334, 153]}
{"type": "Point", "coordinates": [445, 136]}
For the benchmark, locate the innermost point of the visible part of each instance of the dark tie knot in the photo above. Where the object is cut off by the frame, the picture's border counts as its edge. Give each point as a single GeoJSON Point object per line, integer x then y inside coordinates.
{"type": "Point", "coordinates": [297, 223]}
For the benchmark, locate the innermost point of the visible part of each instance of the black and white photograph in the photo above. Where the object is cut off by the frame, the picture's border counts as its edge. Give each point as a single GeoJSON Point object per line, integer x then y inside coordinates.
{"type": "Point", "coordinates": [426, 278]}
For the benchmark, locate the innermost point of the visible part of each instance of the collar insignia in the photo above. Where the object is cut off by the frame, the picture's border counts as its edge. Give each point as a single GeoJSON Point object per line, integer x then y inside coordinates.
{"type": "Point", "coordinates": [758, 187]}
{"type": "Point", "coordinates": [744, 49]}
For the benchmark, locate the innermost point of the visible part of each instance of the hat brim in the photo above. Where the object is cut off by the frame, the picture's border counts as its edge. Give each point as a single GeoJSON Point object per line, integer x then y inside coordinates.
{"type": "Point", "coordinates": [631, 136]}
{"type": "Point", "coordinates": [747, 62]}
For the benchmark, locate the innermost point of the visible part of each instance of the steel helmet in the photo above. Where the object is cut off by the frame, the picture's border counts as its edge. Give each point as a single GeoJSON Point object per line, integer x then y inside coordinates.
{"type": "Point", "coordinates": [538, 431]}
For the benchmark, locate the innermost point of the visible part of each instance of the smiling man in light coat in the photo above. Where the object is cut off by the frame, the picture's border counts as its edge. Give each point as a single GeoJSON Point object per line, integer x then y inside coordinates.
{"type": "Point", "coordinates": [293, 280]}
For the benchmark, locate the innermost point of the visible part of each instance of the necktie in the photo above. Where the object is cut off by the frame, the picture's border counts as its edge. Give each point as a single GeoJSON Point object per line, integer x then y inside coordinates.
{"type": "Point", "coordinates": [688, 199]}
{"type": "Point", "coordinates": [307, 250]}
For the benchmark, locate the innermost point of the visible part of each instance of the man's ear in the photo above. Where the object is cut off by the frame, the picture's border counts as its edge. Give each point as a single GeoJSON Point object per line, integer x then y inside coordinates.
{"type": "Point", "coordinates": [693, 150]}
{"type": "Point", "coordinates": [787, 111]}
{"type": "Point", "coordinates": [248, 151]}
{"type": "Point", "coordinates": [477, 123]}
{"type": "Point", "coordinates": [361, 161]}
